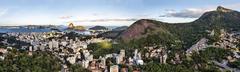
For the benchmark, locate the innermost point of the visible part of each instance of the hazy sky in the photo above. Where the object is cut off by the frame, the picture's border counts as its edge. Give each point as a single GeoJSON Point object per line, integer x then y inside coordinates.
{"type": "Point", "coordinates": [104, 12]}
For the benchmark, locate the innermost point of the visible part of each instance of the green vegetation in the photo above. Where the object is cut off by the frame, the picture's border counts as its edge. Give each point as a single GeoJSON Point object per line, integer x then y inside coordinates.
{"type": "Point", "coordinates": [215, 54]}
{"type": "Point", "coordinates": [215, 37]}
{"type": "Point", "coordinates": [187, 33]}
{"type": "Point", "coordinates": [156, 67]}
{"type": "Point", "coordinates": [201, 62]}
{"type": "Point", "coordinates": [12, 40]}
{"type": "Point", "coordinates": [235, 64]}
{"type": "Point", "coordinates": [77, 68]}
{"type": "Point", "coordinates": [103, 48]}
{"type": "Point", "coordinates": [22, 62]}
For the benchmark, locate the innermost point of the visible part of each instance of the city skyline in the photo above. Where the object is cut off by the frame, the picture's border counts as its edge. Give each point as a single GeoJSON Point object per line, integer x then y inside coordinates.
{"type": "Point", "coordinates": [104, 12]}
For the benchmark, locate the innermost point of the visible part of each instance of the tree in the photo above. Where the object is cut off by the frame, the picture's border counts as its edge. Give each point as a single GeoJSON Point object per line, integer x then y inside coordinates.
{"type": "Point", "coordinates": [156, 67]}
{"type": "Point", "coordinates": [213, 53]}
{"type": "Point", "coordinates": [77, 68]}
{"type": "Point", "coordinates": [235, 64]}
{"type": "Point", "coordinates": [38, 62]}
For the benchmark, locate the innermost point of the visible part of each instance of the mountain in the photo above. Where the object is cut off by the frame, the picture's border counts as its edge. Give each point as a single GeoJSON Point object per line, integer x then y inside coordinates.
{"type": "Point", "coordinates": [187, 33]}
{"type": "Point", "coordinates": [110, 34]}
{"type": "Point", "coordinates": [221, 17]}
{"type": "Point", "coordinates": [120, 28]}
{"type": "Point", "coordinates": [143, 27]}
{"type": "Point", "coordinates": [98, 28]}
{"type": "Point", "coordinates": [113, 33]}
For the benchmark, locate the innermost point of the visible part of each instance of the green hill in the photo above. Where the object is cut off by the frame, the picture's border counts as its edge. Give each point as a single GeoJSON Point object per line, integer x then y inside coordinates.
{"type": "Point", "coordinates": [186, 34]}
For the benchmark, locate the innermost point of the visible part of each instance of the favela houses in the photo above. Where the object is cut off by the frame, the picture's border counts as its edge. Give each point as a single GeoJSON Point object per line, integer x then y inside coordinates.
{"type": "Point", "coordinates": [119, 36]}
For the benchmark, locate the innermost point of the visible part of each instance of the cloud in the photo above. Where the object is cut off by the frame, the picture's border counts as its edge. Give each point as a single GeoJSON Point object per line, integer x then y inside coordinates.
{"type": "Point", "coordinates": [186, 13]}
{"type": "Point", "coordinates": [194, 12]}
{"type": "Point", "coordinates": [3, 12]}
{"type": "Point", "coordinates": [105, 20]}
{"type": "Point", "coordinates": [65, 17]}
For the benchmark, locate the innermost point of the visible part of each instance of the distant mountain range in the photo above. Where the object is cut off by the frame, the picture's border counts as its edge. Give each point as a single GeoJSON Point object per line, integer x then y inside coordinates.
{"type": "Point", "coordinates": [120, 28]}
{"type": "Point", "coordinates": [45, 28]}
{"type": "Point", "coordinates": [114, 33]}
{"type": "Point", "coordinates": [98, 28]}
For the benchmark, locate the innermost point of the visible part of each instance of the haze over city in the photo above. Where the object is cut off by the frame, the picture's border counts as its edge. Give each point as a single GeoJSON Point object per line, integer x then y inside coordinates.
{"type": "Point", "coordinates": [104, 12]}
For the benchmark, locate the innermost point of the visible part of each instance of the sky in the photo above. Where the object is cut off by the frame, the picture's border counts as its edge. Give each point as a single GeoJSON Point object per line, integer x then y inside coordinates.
{"type": "Point", "coordinates": [105, 12]}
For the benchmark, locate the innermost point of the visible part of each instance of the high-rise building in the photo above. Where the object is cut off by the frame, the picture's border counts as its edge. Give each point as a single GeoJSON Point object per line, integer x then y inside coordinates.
{"type": "Point", "coordinates": [122, 53]}
{"type": "Point", "coordinates": [136, 54]}
{"type": "Point", "coordinates": [120, 57]}
{"type": "Point", "coordinates": [55, 44]}
{"type": "Point", "coordinates": [85, 63]}
{"type": "Point", "coordinates": [30, 48]}
{"type": "Point", "coordinates": [50, 45]}
{"type": "Point", "coordinates": [114, 68]}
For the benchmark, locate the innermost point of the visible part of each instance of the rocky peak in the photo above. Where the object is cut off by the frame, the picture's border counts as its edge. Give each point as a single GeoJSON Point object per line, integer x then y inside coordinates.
{"type": "Point", "coordinates": [222, 9]}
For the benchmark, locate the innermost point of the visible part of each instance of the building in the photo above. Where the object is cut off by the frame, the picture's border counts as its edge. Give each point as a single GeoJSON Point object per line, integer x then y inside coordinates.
{"type": "Point", "coordinates": [120, 57]}
{"type": "Point", "coordinates": [114, 68]}
{"type": "Point", "coordinates": [50, 45]}
{"type": "Point", "coordinates": [55, 43]}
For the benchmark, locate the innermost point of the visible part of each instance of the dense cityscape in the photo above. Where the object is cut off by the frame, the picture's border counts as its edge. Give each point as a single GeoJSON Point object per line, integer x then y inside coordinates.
{"type": "Point", "coordinates": [79, 49]}
{"type": "Point", "coordinates": [208, 42]}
